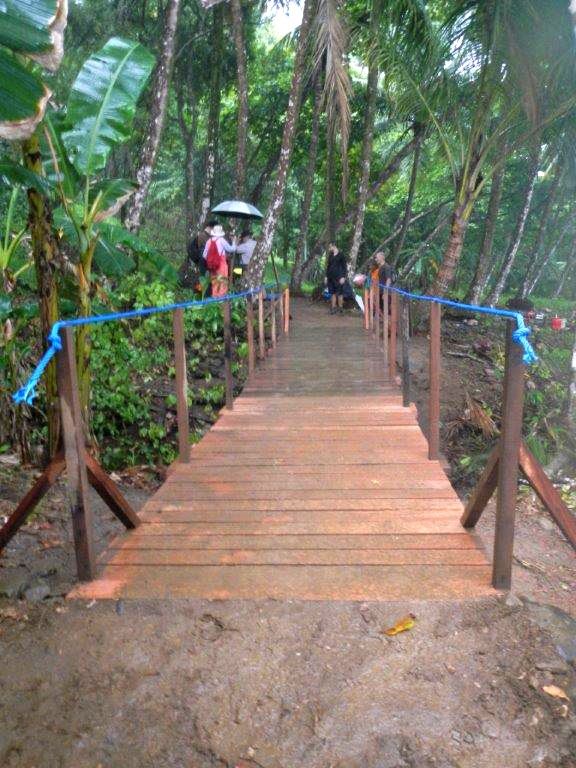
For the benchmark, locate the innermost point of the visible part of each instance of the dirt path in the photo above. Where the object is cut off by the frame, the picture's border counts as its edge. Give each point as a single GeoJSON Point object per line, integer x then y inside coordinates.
{"type": "Point", "coordinates": [196, 684]}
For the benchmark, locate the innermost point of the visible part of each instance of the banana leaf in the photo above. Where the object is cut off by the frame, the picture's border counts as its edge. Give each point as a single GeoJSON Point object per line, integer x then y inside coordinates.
{"type": "Point", "coordinates": [103, 102]}
{"type": "Point", "coordinates": [28, 31]}
{"type": "Point", "coordinates": [13, 173]}
{"type": "Point", "coordinates": [109, 195]}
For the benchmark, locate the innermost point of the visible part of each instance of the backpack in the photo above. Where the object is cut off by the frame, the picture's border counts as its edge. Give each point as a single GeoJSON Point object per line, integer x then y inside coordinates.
{"type": "Point", "coordinates": [213, 257]}
{"type": "Point", "coordinates": [194, 251]}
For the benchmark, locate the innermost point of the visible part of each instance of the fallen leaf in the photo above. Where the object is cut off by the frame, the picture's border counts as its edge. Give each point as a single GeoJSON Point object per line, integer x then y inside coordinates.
{"type": "Point", "coordinates": [12, 613]}
{"type": "Point", "coordinates": [556, 692]}
{"type": "Point", "coordinates": [401, 626]}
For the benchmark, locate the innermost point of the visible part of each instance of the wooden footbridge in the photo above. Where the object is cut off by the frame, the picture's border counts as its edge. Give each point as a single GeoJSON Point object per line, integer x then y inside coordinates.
{"type": "Point", "coordinates": [315, 483]}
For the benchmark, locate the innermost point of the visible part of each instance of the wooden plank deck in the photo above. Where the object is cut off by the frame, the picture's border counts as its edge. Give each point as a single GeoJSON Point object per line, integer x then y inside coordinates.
{"type": "Point", "coordinates": [316, 486]}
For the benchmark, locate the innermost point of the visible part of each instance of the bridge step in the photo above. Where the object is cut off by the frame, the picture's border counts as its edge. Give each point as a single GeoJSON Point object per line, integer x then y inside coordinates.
{"type": "Point", "coordinates": [317, 486]}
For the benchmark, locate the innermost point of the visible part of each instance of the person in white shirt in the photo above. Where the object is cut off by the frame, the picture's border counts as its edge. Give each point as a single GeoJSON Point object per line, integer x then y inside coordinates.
{"type": "Point", "coordinates": [245, 248]}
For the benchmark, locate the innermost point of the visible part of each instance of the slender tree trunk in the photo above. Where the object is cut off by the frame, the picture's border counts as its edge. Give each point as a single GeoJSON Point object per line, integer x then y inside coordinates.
{"type": "Point", "coordinates": [213, 130]}
{"type": "Point", "coordinates": [512, 251]}
{"type": "Point", "coordinates": [160, 90]}
{"type": "Point", "coordinates": [189, 140]}
{"type": "Point", "coordinates": [264, 246]}
{"type": "Point", "coordinates": [306, 210]}
{"type": "Point", "coordinates": [46, 254]}
{"type": "Point", "coordinates": [534, 257]}
{"type": "Point", "coordinates": [480, 279]}
{"type": "Point", "coordinates": [242, 84]}
{"type": "Point", "coordinates": [366, 156]}
{"type": "Point", "coordinates": [265, 174]}
{"type": "Point", "coordinates": [330, 184]}
{"type": "Point", "coordinates": [567, 271]}
{"type": "Point", "coordinates": [406, 268]}
{"type": "Point", "coordinates": [549, 256]}
{"type": "Point", "coordinates": [399, 244]}
{"type": "Point", "coordinates": [391, 167]}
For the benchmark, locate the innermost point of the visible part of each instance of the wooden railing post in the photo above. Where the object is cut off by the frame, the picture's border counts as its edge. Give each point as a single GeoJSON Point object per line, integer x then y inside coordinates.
{"type": "Point", "coordinates": [385, 322]}
{"type": "Point", "coordinates": [75, 454]}
{"type": "Point", "coordinates": [261, 329]}
{"type": "Point", "coordinates": [226, 311]}
{"type": "Point", "coordinates": [366, 309]}
{"type": "Point", "coordinates": [273, 309]}
{"type": "Point", "coordinates": [250, 334]}
{"type": "Point", "coordinates": [434, 375]}
{"type": "Point", "coordinates": [510, 439]}
{"type": "Point", "coordinates": [377, 312]}
{"type": "Point", "coordinates": [287, 311]}
{"type": "Point", "coordinates": [393, 334]}
{"type": "Point", "coordinates": [181, 387]}
{"type": "Point", "coordinates": [405, 351]}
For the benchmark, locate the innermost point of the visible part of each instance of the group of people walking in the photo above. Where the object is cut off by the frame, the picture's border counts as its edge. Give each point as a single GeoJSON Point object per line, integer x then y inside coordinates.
{"type": "Point", "coordinates": [338, 279]}
{"type": "Point", "coordinates": [211, 253]}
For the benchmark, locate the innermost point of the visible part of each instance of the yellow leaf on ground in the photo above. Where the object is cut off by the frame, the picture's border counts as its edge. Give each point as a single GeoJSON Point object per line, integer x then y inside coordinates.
{"type": "Point", "coordinates": [556, 692]}
{"type": "Point", "coordinates": [401, 626]}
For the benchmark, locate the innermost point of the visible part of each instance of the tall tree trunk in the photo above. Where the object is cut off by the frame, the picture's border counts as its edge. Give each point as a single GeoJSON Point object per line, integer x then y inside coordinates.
{"type": "Point", "coordinates": [534, 257]}
{"type": "Point", "coordinates": [551, 252]}
{"type": "Point", "coordinates": [46, 253]}
{"type": "Point", "coordinates": [330, 184]}
{"type": "Point", "coordinates": [458, 227]}
{"type": "Point", "coordinates": [242, 84]}
{"type": "Point", "coordinates": [406, 268]}
{"type": "Point", "coordinates": [512, 251]}
{"type": "Point", "coordinates": [418, 131]}
{"type": "Point", "coordinates": [385, 175]}
{"type": "Point", "coordinates": [306, 210]}
{"type": "Point", "coordinates": [213, 129]}
{"type": "Point", "coordinates": [480, 279]}
{"type": "Point", "coordinates": [189, 140]}
{"type": "Point", "coordinates": [264, 246]}
{"type": "Point", "coordinates": [160, 90]}
{"type": "Point", "coordinates": [567, 271]}
{"type": "Point", "coordinates": [367, 145]}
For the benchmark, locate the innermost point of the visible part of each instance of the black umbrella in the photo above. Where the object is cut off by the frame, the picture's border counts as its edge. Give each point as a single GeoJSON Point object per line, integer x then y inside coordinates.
{"type": "Point", "coordinates": [237, 209]}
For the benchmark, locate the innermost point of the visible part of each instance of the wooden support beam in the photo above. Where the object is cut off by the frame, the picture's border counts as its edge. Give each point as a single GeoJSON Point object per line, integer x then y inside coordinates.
{"type": "Point", "coordinates": [405, 351]}
{"type": "Point", "coordinates": [512, 410]}
{"type": "Point", "coordinates": [393, 334]}
{"type": "Point", "coordinates": [75, 453]}
{"type": "Point", "coordinates": [227, 315]}
{"type": "Point", "coordinates": [250, 334]}
{"type": "Point", "coordinates": [377, 312]}
{"type": "Point", "coordinates": [548, 494]}
{"type": "Point", "coordinates": [261, 328]}
{"type": "Point", "coordinates": [385, 323]}
{"type": "Point", "coordinates": [109, 492]}
{"type": "Point", "coordinates": [273, 323]}
{"type": "Point", "coordinates": [287, 311]}
{"type": "Point", "coordinates": [181, 387]}
{"type": "Point", "coordinates": [27, 505]}
{"type": "Point", "coordinates": [434, 376]}
{"type": "Point", "coordinates": [483, 491]}
{"type": "Point", "coordinates": [366, 309]}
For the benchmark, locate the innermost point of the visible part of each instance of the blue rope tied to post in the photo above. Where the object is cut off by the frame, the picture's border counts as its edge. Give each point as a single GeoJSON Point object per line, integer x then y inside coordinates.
{"type": "Point", "coordinates": [27, 393]}
{"type": "Point", "coordinates": [519, 336]}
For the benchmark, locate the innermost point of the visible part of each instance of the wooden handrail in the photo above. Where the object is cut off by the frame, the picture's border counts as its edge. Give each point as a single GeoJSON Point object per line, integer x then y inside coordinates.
{"type": "Point", "coordinates": [510, 454]}
{"type": "Point", "coordinates": [181, 387]}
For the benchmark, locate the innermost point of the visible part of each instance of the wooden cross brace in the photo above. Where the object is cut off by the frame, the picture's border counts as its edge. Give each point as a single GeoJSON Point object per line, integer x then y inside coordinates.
{"type": "Point", "coordinates": [82, 469]}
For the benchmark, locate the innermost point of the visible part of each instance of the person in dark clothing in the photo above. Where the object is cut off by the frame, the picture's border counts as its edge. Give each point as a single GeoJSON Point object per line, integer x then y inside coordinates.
{"type": "Point", "coordinates": [195, 265]}
{"type": "Point", "coordinates": [336, 275]}
{"type": "Point", "coordinates": [386, 272]}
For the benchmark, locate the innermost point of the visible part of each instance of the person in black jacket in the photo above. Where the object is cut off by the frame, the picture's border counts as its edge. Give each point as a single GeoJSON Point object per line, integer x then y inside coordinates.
{"type": "Point", "coordinates": [336, 275]}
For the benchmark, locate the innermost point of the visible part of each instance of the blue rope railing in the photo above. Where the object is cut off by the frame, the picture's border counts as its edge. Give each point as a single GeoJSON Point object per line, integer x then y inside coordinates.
{"type": "Point", "coordinates": [27, 393]}
{"type": "Point", "coordinates": [520, 335]}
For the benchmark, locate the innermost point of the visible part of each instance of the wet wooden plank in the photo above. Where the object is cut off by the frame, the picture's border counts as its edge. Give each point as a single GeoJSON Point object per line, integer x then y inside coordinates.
{"type": "Point", "coordinates": [316, 486]}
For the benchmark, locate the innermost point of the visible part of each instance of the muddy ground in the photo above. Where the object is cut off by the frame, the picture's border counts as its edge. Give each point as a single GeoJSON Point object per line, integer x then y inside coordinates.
{"type": "Point", "coordinates": [197, 684]}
